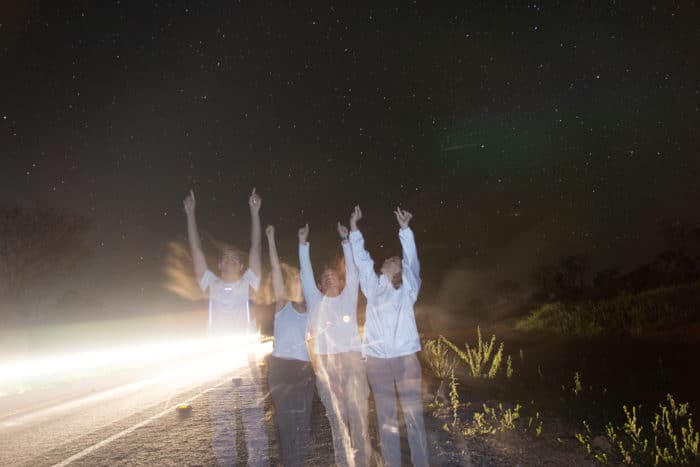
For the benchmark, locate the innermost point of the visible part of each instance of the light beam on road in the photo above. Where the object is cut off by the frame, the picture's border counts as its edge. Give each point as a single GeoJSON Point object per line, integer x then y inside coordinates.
{"type": "Point", "coordinates": [193, 359]}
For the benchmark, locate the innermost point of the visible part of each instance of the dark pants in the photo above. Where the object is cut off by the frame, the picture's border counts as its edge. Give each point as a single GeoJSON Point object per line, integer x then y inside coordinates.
{"type": "Point", "coordinates": [291, 385]}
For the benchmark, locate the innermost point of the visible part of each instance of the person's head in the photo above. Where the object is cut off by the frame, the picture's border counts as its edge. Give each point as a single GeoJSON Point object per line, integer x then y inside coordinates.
{"type": "Point", "coordinates": [329, 284]}
{"type": "Point", "coordinates": [230, 263]}
{"type": "Point", "coordinates": [392, 270]}
{"type": "Point", "coordinates": [292, 283]}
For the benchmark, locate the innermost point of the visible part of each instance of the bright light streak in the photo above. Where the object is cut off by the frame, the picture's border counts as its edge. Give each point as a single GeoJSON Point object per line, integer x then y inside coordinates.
{"type": "Point", "coordinates": [221, 355]}
{"type": "Point", "coordinates": [222, 352]}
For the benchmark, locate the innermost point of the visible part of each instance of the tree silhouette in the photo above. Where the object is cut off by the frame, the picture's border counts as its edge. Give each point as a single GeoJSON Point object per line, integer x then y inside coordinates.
{"type": "Point", "coordinates": [564, 280]}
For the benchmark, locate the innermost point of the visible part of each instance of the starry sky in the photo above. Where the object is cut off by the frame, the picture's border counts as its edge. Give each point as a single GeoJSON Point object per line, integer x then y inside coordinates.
{"type": "Point", "coordinates": [516, 132]}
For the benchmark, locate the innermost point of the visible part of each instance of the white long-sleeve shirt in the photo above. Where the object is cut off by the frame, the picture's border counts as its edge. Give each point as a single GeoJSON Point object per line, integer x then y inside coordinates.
{"type": "Point", "coordinates": [332, 321]}
{"type": "Point", "coordinates": [390, 324]}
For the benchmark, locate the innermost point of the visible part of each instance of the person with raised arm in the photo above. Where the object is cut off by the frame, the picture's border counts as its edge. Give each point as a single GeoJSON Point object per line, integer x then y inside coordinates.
{"type": "Point", "coordinates": [230, 317]}
{"type": "Point", "coordinates": [290, 375]}
{"type": "Point", "coordinates": [229, 309]}
{"type": "Point", "coordinates": [391, 340]}
{"type": "Point", "coordinates": [336, 349]}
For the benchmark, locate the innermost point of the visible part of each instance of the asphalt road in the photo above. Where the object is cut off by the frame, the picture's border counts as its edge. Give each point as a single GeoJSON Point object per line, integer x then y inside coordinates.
{"type": "Point", "coordinates": [129, 416]}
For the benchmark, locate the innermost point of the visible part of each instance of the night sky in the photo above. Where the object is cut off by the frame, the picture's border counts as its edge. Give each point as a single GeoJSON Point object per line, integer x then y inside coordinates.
{"type": "Point", "coordinates": [515, 133]}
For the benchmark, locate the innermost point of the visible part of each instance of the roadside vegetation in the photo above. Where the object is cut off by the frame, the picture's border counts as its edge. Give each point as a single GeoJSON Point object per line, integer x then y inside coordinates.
{"type": "Point", "coordinates": [524, 411]}
{"type": "Point", "coordinates": [628, 314]}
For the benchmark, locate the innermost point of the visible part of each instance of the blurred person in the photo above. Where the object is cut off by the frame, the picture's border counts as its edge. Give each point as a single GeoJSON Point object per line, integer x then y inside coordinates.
{"type": "Point", "coordinates": [290, 375]}
{"type": "Point", "coordinates": [229, 307]}
{"type": "Point", "coordinates": [391, 340]}
{"type": "Point", "coordinates": [230, 314]}
{"type": "Point", "coordinates": [335, 347]}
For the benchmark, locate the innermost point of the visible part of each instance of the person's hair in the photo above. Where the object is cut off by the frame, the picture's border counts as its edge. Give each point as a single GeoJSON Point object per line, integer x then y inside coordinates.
{"type": "Point", "coordinates": [397, 280]}
{"type": "Point", "coordinates": [224, 247]}
{"type": "Point", "coordinates": [292, 283]}
{"type": "Point", "coordinates": [336, 264]}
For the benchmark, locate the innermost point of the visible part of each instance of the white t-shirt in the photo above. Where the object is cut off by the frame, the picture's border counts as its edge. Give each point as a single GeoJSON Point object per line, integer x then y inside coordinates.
{"type": "Point", "coordinates": [290, 334]}
{"type": "Point", "coordinates": [229, 308]}
{"type": "Point", "coordinates": [332, 320]}
{"type": "Point", "coordinates": [390, 323]}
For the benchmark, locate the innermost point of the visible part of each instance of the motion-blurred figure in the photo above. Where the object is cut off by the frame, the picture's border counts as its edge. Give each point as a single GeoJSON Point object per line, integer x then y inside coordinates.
{"type": "Point", "coordinates": [229, 313]}
{"type": "Point", "coordinates": [336, 348]}
{"type": "Point", "coordinates": [391, 340]}
{"type": "Point", "coordinates": [290, 375]}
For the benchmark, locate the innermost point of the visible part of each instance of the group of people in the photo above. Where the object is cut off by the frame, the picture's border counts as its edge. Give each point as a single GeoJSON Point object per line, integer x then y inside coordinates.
{"type": "Point", "coordinates": [317, 340]}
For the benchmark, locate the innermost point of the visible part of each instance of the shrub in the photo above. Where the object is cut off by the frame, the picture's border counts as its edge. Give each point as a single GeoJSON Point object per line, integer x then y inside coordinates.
{"type": "Point", "coordinates": [481, 356]}
{"type": "Point", "coordinates": [437, 357]}
{"type": "Point", "coordinates": [625, 314]}
{"type": "Point", "coordinates": [668, 438]}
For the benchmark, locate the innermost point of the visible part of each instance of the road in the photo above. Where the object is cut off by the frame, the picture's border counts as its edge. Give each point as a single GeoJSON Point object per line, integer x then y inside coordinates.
{"type": "Point", "coordinates": [128, 416]}
{"type": "Point", "coordinates": [124, 412]}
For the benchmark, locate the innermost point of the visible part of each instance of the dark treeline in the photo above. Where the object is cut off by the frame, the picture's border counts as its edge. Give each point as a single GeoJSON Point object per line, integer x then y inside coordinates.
{"type": "Point", "coordinates": [570, 279]}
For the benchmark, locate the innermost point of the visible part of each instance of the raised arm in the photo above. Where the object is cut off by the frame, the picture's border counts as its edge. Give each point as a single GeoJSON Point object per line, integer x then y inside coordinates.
{"type": "Point", "coordinates": [308, 283]}
{"type": "Point", "coordinates": [363, 261]}
{"type": "Point", "coordinates": [351, 276]}
{"type": "Point", "coordinates": [409, 264]}
{"type": "Point", "coordinates": [200, 262]}
{"type": "Point", "coordinates": [277, 281]}
{"type": "Point", "coordinates": [254, 261]}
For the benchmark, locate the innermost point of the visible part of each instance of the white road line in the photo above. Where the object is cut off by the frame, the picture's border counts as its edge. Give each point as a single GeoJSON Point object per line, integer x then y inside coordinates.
{"type": "Point", "coordinates": [125, 432]}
